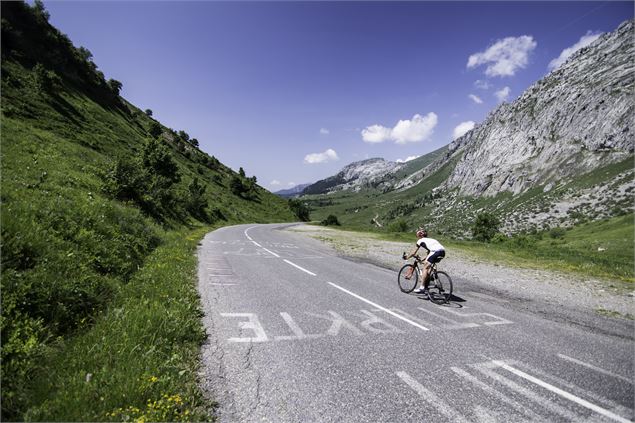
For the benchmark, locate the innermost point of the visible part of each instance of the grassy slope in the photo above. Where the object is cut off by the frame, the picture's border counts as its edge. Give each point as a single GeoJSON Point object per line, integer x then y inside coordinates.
{"type": "Point", "coordinates": [90, 284]}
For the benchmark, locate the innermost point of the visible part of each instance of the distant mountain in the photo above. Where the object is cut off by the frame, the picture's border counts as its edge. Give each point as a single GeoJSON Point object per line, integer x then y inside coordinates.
{"type": "Point", "coordinates": [357, 175]}
{"type": "Point", "coordinates": [292, 192]}
{"type": "Point", "coordinates": [560, 154]}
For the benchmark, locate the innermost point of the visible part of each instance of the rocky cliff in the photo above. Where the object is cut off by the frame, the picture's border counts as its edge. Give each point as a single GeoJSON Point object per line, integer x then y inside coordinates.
{"type": "Point", "coordinates": [576, 119]}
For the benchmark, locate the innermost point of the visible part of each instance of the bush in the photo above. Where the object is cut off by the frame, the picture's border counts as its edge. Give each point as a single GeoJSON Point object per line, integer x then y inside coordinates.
{"type": "Point", "coordinates": [331, 219]}
{"type": "Point", "coordinates": [485, 227]}
{"type": "Point", "coordinates": [299, 209]}
{"type": "Point", "coordinates": [398, 226]}
{"type": "Point", "coordinates": [196, 201]}
{"type": "Point", "coordinates": [557, 232]}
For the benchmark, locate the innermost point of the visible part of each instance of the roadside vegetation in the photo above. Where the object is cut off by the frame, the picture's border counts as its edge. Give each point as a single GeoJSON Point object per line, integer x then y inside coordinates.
{"type": "Point", "coordinates": [102, 208]}
{"type": "Point", "coordinates": [602, 249]}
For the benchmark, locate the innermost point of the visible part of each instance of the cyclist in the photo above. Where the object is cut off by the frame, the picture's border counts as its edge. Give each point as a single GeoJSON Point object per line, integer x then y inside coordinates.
{"type": "Point", "coordinates": [436, 252]}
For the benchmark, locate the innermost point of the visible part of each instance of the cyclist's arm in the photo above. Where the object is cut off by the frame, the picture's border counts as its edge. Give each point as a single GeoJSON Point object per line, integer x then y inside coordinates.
{"type": "Point", "coordinates": [414, 252]}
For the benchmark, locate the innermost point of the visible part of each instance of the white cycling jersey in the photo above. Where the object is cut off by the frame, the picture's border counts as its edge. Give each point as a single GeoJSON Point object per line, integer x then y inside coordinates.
{"type": "Point", "coordinates": [430, 244]}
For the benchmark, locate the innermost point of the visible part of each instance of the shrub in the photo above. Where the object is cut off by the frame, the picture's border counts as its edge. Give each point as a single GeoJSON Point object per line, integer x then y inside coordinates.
{"type": "Point", "coordinates": [557, 232]}
{"type": "Point", "coordinates": [196, 201]}
{"type": "Point", "coordinates": [300, 210]}
{"type": "Point", "coordinates": [399, 225]}
{"type": "Point", "coordinates": [331, 219]}
{"type": "Point", "coordinates": [485, 227]}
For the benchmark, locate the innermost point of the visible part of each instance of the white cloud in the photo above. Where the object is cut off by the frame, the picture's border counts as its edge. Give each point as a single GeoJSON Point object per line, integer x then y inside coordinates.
{"type": "Point", "coordinates": [504, 57]}
{"type": "Point", "coordinates": [475, 99]}
{"type": "Point", "coordinates": [275, 182]}
{"type": "Point", "coordinates": [502, 94]}
{"type": "Point", "coordinates": [462, 129]}
{"type": "Point", "coordinates": [584, 41]}
{"type": "Point", "coordinates": [407, 159]}
{"type": "Point", "coordinates": [482, 85]}
{"type": "Point", "coordinates": [376, 134]}
{"type": "Point", "coordinates": [324, 131]}
{"type": "Point", "coordinates": [327, 156]}
{"type": "Point", "coordinates": [419, 128]}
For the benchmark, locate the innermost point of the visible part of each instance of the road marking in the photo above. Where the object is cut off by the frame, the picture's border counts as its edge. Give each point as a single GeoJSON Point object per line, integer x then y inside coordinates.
{"type": "Point", "coordinates": [498, 321]}
{"type": "Point", "coordinates": [454, 323]}
{"type": "Point", "coordinates": [562, 393]}
{"type": "Point", "coordinates": [256, 244]}
{"type": "Point", "coordinates": [443, 407]}
{"type": "Point", "coordinates": [272, 253]}
{"type": "Point", "coordinates": [597, 369]}
{"type": "Point", "coordinates": [247, 235]}
{"type": "Point", "coordinates": [486, 369]}
{"type": "Point", "coordinates": [392, 313]}
{"type": "Point", "coordinates": [485, 387]}
{"type": "Point", "coordinates": [301, 268]}
{"type": "Point", "coordinates": [253, 324]}
{"type": "Point", "coordinates": [298, 333]}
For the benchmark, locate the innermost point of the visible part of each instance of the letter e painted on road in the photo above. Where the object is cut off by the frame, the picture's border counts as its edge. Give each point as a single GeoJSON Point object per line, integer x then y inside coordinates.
{"type": "Point", "coordinates": [253, 324]}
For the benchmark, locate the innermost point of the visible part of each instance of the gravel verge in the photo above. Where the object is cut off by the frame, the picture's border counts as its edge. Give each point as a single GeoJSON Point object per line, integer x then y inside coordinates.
{"type": "Point", "coordinates": [558, 294]}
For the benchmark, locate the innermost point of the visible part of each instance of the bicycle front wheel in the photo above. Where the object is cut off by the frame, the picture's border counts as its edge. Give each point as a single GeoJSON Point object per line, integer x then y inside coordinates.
{"type": "Point", "coordinates": [440, 289]}
{"type": "Point", "coordinates": [408, 285]}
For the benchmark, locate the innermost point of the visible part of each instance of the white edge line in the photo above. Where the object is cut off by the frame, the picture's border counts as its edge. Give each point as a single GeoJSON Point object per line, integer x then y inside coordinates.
{"type": "Point", "coordinates": [562, 393]}
{"type": "Point", "coordinates": [301, 268]}
{"type": "Point", "coordinates": [247, 235]}
{"type": "Point", "coordinates": [597, 369]}
{"type": "Point", "coordinates": [272, 253]}
{"type": "Point", "coordinates": [392, 313]}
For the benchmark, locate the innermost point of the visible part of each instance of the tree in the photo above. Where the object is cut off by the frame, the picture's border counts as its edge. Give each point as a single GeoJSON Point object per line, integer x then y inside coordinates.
{"type": "Point", "coordinates": [241, 172]}
{"type": "Point", "coordinates": [197, 203]}
{"type": "Point", "coordinates": [184, 136]}
{"type": "Point", "coordinates": [236, 185]}
{"type": "Point", "coordinates": [40, 10]}
{"type": "Point", "coordinates": [485, 227]}
{"type": "Point", "coordinates": [115, 86]}
{"type": "Point", "coordinates": [159, 161]}
{"type": "Point", "coordinates": [148, 112]}
{"type": "Point", "coordinates": [85, 54]}
{"type": "Point", "coordinates": [194, 142]}
{"type": "Point", "coordinates": [300, 209]}
{"type": "Point", "coordinates": [155, 130]}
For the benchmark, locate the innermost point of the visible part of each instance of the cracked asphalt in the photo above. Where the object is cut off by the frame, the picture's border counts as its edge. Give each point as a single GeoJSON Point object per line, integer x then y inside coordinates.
{"type": "Point", "coordinates": [298, 334]}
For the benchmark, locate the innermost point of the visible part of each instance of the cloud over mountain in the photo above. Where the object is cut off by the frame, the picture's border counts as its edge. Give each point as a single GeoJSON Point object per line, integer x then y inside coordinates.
{"type": "Point", "coordinates": [584, 41]}
{"type": "Point", "coordinates": [327, 156]}
{"type": "Point", "coordinates": [417, 129]}
{"type": "Point", "coordinates": [504, 57]}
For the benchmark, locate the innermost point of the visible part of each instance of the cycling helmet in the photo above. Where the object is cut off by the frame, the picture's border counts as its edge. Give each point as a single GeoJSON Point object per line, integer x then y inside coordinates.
{"type": "Point", "coordinates": [421, 233]}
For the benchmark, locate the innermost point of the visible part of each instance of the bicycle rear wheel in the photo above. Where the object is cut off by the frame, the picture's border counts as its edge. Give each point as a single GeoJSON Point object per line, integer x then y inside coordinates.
{"type": "Point", "coordinates": [408, 285]}
{"type": "Point", "coordinates": [440, 289]}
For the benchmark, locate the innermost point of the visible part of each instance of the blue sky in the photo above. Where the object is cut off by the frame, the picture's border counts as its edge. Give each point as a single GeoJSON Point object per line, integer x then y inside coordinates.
{"type": "Point", "coordinates": [294, 91]}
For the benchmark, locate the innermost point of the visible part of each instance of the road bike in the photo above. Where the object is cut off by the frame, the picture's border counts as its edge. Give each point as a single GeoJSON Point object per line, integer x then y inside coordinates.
{"type": "Point", "coordinates": [439, 285]}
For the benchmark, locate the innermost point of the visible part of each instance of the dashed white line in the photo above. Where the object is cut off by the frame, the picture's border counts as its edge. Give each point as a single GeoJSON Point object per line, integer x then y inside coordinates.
{"type": "Point", "coordinates": [597, 369]}
{"type": "Point", "coordinates": [564, 394]}
{"type": "Point", "coordinates": [443, 407]}
{"type": "Point", "coordinates": [392, 313]}
{"type": "Point", "coordinates": [301, 268]}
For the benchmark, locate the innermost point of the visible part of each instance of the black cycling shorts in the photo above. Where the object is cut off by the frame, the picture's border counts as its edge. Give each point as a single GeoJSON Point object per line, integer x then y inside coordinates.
{"type": "Point", "coordinates": [436, 256]}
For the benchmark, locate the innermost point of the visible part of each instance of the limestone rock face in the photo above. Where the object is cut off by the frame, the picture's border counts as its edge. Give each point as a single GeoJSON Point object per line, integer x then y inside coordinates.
{"type": "Point", "coordinates": [577, 118]}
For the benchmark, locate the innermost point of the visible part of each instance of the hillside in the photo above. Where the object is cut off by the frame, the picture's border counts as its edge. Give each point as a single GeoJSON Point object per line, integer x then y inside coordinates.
{"type": "Point", "coordinates": [92, 187]}
{"type": "Point", "coordinates": [559, 155]}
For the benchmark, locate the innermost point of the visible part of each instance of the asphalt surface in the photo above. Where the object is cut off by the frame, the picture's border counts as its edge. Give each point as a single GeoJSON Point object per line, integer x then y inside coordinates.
{"type": "Point", "coordinates": [298, 334]}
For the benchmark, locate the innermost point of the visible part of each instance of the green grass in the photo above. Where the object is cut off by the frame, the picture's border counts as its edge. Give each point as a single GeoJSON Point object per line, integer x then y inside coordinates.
{"type": "Point", "coordinates": [90, 284]}
{"type": "Point", "coordinates": [143, 348]}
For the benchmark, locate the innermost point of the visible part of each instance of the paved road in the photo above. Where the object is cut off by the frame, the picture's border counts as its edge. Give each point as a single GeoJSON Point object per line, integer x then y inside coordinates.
{"type": "Point", "coordinates": [298, 334]}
